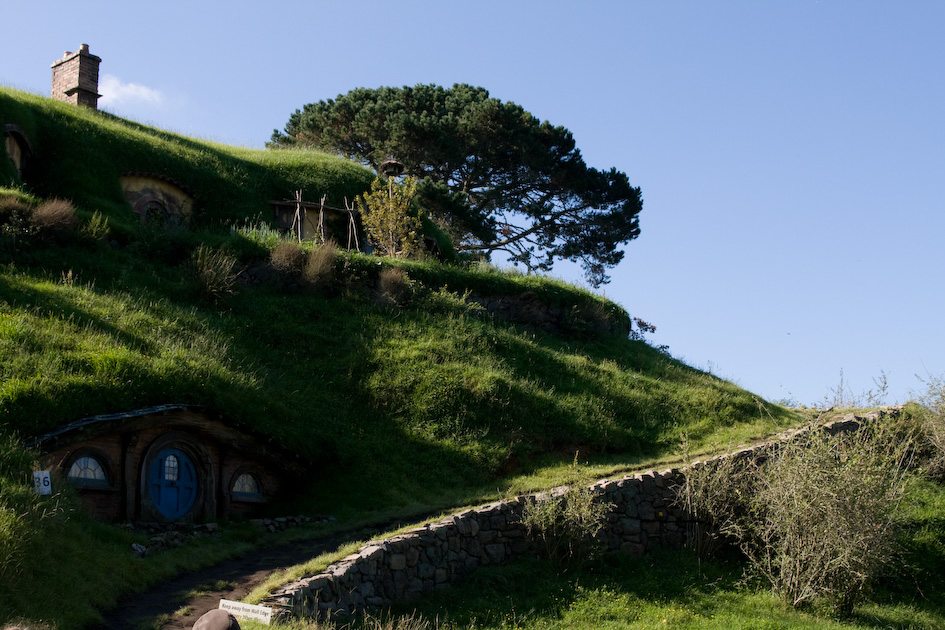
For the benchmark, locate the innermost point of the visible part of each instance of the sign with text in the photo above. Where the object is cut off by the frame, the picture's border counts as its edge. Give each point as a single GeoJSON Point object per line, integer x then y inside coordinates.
{"type": "Point", "coordinates": [247, 611]}
{"type": "Point", "coordinates": [41, 482]}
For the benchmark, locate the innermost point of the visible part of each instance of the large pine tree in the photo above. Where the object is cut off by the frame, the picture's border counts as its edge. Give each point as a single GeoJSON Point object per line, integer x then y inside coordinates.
{"type": "Point", "coordinates": [492, 174]}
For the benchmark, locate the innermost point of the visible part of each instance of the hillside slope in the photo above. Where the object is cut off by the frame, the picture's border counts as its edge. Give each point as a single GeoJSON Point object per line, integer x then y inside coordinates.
{"type": "Point", "coordinates": [79, 154]}
{"type": "Point", "coordinates": [337, 375]}
{"type": "Point", "coordinates": [402, 393]}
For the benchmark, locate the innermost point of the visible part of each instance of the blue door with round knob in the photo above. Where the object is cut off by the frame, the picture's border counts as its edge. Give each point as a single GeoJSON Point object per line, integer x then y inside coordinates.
{"type": "Point", "coordinates": [172, 483]}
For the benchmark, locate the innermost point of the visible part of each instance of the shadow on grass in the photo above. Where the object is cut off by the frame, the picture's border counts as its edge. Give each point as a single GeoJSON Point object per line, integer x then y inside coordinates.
{"type": "Point", "coordinates": [665, 589]}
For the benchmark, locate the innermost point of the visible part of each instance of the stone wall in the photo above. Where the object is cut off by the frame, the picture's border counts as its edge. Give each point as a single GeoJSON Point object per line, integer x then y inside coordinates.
{"type": "Point", "coordinates": [645, 515]}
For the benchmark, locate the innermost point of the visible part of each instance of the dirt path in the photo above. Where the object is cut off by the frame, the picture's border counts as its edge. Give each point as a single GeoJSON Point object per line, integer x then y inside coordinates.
{"type": "Point", "coordinates": [240, 575]}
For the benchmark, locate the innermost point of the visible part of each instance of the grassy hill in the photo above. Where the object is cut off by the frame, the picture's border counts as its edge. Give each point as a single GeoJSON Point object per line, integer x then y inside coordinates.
{"type": "Point", "coordinates": [81, 153]}
{"type": "Point", "coordinates": [406, 399]}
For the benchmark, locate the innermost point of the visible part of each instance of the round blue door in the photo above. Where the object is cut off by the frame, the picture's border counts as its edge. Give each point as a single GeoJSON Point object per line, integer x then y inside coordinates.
{"type": "Point", "coordinates": [172, 483]}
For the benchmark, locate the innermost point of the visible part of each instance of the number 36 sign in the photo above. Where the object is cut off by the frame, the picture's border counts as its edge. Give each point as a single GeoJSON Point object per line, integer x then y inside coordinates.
{"type": "Point", "coordinates": [41, 482]}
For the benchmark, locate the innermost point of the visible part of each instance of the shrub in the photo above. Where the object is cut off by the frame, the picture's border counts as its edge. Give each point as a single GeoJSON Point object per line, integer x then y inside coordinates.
{"type": "Point", "coordinates": [15, 223]}
{"type": "Point", "coordinates": [929, 412]}
{"type": "Point", "coordinates": [565, 524]}
{"type": "Point", "coordinates": [390, 219]}
{"type": "Point", "coordinates": [13, 209]}
{"type": "Point", "coordinates": [55, 217]}
{"type": "Point", "coordinates": [393, 286]}
{"type": "Point", "coordinates": [287, 257]}
{"type": "Point", "coordinates": [261, 235]}
{"type": "Point", "coordinates": [712, 494]}
{"type": "Point", "coordinates": [815, 519]}
{"type": "Point", "coordinates": [320, 267]}
{"type": "Point", "coordinates": [213, 271]}
{"type": "Point", "coordinates": [96, 229]}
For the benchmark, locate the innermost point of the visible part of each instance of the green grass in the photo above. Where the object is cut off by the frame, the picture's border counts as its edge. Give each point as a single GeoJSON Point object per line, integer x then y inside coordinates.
{"type": "Point", "coordinates": [402, 410]}
{"type": "Point", "coordinates": [469, 399]}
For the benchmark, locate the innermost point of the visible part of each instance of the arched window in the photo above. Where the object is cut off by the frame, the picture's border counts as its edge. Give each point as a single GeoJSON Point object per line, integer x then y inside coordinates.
{"type": "Point", "coordinates": [246, 486]}
{"type": "Point", "coordinates": [171, 468]}
{"type": "Point", "coordinates": [88, 469]}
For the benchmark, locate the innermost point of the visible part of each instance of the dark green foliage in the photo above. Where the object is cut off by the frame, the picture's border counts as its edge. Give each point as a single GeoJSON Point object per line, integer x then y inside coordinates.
{"type": "Point", "coordinates": [676, 589]}
{"type": "Point", "coordinates": [499, 178]}
{"type": "Point", "coordinates": [214, 271]}
{"type": "Point", "coordinates": [24, 225]}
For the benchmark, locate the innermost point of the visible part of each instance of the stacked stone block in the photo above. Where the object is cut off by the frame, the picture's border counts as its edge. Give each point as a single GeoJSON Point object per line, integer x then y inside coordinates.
{"type": "Point", "coordinates": [645, 515]}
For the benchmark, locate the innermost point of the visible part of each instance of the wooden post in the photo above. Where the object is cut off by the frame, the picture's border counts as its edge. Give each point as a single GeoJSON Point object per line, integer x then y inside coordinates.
{"type": "Point", "coordinates": [297, 223]}
{"type": "Point", "coordinates": [352, 227]}
{"type": "Point", "coordinates": [321, 218]}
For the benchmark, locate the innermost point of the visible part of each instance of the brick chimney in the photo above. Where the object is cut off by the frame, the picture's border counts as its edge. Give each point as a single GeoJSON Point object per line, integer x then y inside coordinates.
{"type": "Point", "coordinates": [75, 78]}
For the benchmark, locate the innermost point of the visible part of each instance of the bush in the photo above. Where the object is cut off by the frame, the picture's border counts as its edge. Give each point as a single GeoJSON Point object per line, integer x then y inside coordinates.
{"type": "Point", "coordinates": [393, 286]}
{"type": "Point", "coordinates": [15, 223]}
{"type": "Point", "coordinates": [287, 257]}
{"type": "Point", "coordinates": [712, 494]}
{"type": "Point", "coordinates": [815, 519]}
{"type": "Point", "coordinates": [930, 412]}
{"type": "Point", "coordinates": [13, 209]}
{"type": "Point", "coordinates": [213, 271]}
{"type": "Point", "coordinates": [565, 524]}
{"type": "Point", "coordinates": [96, 229]}
{"type": "Point", "coordinates": [320, 267]}
{"type": "Point", "coordinates": [390, 218]}
{"type": "Point", "coordinates": [55, 217]}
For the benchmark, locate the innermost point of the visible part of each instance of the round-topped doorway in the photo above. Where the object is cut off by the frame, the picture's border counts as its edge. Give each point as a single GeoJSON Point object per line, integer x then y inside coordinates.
{"type": "Point", "coordinates": [172, 483]}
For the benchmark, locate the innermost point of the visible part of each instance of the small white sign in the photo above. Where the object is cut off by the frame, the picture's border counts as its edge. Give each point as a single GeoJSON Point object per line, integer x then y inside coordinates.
{"type": "Point", "coordinates": [247, 611]}
{"type": "Point", "coordinates": [42, 482]}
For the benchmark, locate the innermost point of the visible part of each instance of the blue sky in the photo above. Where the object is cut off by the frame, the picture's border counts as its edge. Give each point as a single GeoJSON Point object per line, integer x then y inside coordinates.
{"type": "Point", "coordinates": [791, 154]}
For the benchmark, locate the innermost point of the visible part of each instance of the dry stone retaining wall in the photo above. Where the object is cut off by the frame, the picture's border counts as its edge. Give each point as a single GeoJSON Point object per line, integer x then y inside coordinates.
{"type": "Point", "coordinates": [645, 515]}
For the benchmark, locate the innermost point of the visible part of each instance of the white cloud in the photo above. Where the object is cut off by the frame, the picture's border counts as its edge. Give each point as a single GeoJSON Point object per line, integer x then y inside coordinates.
{"type": "Point", "coordinates": [115, 92]}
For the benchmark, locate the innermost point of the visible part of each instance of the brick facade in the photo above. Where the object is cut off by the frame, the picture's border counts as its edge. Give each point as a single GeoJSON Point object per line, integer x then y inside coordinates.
{"type": "Point", "coordinates": [75, 78]}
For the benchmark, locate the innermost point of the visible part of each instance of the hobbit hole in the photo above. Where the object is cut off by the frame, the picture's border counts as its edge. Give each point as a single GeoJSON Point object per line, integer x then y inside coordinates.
{"type": "Point", "coordinates": [169, 463]}
{"type": "Point", "coordinates": [157, 200]}
{"type": "Point", "coordinates": [310, 221]}
{"type": "Point", "coordinates": [18, 148]}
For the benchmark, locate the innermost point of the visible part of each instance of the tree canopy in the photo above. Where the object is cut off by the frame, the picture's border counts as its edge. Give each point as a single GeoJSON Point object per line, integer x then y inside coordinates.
{"type": "Point", "coordinates": [493, 175]}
